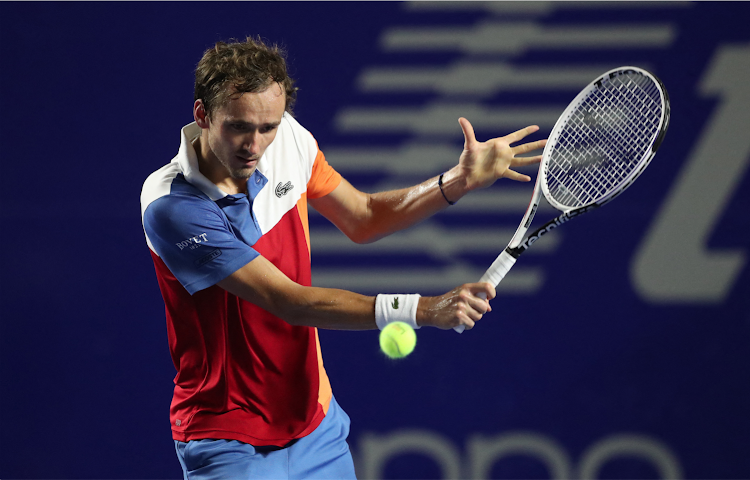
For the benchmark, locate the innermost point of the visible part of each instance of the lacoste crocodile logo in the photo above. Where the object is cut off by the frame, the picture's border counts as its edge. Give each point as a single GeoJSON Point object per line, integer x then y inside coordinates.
{"type": "Point", "coordinates": [282, 190]}
{"type": "Point", "coordinates": [395, 304]}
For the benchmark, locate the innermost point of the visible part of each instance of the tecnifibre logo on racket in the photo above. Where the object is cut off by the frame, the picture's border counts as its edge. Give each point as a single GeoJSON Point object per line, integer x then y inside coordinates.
{"type": "Point", "coordinates": [552, 224]}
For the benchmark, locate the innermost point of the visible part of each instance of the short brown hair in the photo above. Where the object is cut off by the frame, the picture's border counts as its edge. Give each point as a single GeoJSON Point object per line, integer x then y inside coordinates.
{"type": "Point", "coordinates": [249, 66]}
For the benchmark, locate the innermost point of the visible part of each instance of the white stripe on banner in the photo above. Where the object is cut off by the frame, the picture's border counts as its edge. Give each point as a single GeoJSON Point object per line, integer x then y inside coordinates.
{"type": "Point", "coordinates": [440, 118]}
{"type": "Point", "coordinates": [433, 239]}
{"type": "Point", "coordinates": [513, 38]}
{"type": "Point", "coordinates": [522, 280]}
{"type": "Point", "coordinates": [479, 78]}
{"type": "Point", "coordinates": [537, 7]}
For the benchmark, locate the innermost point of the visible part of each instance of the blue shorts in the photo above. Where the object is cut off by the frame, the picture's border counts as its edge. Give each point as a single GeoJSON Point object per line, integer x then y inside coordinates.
{"type": "Point", "coordinates": [322, 454]}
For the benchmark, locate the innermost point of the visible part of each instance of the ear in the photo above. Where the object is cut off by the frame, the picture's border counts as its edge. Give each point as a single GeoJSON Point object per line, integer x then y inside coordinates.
{"type": "Point", "coordinates": [199, 114]}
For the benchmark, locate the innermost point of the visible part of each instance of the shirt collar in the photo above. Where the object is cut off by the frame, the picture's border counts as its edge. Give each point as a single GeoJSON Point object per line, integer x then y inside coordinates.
{"type": "Point", "coordinates": [187, 159]}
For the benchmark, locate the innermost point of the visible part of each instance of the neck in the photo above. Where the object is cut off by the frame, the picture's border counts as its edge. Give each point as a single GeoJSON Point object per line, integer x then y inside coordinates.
{"type": "Point", "coordinates": [212, 169]}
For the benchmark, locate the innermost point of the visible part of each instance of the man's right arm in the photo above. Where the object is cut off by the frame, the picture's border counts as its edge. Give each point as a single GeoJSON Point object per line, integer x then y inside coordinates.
{"type": "Point", "coordinates": [212, 255]}
{"type": "Point", "coordinates": [262, 284]}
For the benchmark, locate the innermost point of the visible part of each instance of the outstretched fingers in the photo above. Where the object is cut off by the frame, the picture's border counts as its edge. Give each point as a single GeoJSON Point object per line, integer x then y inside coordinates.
{"type": "Point", "coordinates": [519, 135]}
{"type": "Point", "coordinates": [469, 137]}
{"type": "Point", "coordinates": [523, 161]}
{"type": "Point", "coordinates": [483, 163]}
{"type": "Point", "coordinates": [518, 177]}
{"type": "Point", "coordinates": [529, 147]}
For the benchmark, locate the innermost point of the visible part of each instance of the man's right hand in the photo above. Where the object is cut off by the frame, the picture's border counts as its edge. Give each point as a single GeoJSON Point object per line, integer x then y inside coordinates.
{"type": "Point", "coordinates": [460, 306]}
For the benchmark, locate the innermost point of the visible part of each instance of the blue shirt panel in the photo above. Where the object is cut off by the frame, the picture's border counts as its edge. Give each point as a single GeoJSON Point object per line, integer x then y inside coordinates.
{"type": "Point", "coordinates": [202, 241]}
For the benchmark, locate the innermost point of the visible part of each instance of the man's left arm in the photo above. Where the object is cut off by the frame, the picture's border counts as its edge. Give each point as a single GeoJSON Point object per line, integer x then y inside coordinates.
{"type": "Point", "coordinates": [367, 217]}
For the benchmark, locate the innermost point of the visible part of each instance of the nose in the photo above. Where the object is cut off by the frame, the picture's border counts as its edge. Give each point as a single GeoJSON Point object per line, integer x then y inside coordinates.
{"type": "Point", "coordinates": [253, 142]}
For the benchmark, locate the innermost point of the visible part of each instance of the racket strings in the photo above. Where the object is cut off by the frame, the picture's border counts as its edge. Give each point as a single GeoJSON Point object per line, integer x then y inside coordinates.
{"type": "Point", "coordinates": [604, 139]}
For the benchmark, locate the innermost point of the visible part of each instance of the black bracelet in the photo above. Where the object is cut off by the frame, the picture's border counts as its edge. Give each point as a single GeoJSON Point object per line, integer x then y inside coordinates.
{"type": "Point", "coordinates": [440, 184]}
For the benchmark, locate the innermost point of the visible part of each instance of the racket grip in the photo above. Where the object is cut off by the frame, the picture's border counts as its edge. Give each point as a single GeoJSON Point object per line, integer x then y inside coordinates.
{"type": "Point", "coordinates": [494, 275]}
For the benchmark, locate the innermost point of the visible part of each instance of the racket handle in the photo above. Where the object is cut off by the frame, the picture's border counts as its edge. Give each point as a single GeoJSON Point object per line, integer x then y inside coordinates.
{"type": "Point", "coordinates": [494, 275]}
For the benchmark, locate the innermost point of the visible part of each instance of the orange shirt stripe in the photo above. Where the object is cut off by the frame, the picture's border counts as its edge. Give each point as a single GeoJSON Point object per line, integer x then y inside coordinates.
{"type": "Point", "coordinates": [324, 180]}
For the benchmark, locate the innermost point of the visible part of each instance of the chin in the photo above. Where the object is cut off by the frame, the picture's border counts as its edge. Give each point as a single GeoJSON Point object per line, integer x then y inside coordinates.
{"type": "Point", "coordinates": [242, 173]}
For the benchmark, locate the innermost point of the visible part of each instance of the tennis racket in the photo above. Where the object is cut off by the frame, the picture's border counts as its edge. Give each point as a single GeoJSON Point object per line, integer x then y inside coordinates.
{"type": "Point", "coordinates": [598, 147]}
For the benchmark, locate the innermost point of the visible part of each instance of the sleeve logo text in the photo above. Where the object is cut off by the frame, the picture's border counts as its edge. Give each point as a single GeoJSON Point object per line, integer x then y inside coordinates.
{"type": "Point", "coordinates": [193, 242]}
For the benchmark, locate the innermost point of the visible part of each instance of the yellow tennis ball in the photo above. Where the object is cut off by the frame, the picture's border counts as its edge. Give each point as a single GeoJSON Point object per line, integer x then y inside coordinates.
{"type": "Point", "coordinates": [398, 339]}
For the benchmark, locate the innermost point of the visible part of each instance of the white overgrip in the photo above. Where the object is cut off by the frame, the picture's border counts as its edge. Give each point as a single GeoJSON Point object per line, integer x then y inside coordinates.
{"type": "Point", "coordinates": [494, 275]}
{"type": "Point", "coordinates": [498, 269]}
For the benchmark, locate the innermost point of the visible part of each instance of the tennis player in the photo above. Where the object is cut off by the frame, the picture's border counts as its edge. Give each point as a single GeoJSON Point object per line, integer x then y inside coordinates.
{"type": "Point", "coordinates": [226, 223]}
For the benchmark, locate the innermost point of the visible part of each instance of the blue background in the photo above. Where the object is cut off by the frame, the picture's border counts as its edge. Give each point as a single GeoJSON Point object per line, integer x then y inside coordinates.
{"type": "Point", "coordinates": [93, 96]}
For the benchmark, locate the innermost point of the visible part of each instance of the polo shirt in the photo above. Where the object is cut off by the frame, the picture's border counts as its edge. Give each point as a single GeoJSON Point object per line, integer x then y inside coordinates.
{"type": "Point", "coordinates": [242, 373]}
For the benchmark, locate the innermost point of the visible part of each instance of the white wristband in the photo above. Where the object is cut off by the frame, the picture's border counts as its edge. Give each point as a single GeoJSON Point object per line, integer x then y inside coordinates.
{"type": "Point", "coordinates": [396, 308]}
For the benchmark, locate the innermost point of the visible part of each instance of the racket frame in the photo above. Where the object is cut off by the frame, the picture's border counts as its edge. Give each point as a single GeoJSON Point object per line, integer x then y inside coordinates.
{"type": "Point", "coordinates": [518, 244]}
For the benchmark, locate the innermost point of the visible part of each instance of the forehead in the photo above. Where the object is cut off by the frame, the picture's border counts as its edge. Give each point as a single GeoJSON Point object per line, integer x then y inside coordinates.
{"type": "Point", "coordinates": [268, 104]}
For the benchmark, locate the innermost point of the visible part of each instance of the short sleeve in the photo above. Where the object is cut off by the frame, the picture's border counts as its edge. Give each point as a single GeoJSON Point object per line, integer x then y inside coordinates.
{"type": "Point", "coordinates": [324, 178]}
{"type": "Point", "coordinates": [193, 238]}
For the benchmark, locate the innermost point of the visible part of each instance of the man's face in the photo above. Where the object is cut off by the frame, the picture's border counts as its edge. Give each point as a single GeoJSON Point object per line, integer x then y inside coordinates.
{"type": "Point", "coordinates": [240, 131]}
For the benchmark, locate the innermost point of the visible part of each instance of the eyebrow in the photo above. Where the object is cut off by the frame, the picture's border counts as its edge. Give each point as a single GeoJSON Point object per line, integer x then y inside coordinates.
{"type": "Point", "coordinates": [244, 123]}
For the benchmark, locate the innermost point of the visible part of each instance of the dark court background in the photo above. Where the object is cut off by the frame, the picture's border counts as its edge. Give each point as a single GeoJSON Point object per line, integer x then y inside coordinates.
{"type": "Point", "coordinates": [618, 349]}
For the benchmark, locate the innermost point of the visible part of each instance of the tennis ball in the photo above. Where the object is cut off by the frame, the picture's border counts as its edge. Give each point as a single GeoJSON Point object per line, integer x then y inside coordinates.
{"type": "Point", "coordinates": [397, 339]}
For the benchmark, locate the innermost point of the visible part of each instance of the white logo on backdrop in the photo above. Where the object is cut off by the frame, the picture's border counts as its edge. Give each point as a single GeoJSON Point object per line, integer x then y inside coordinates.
{"type": "Point", "coordinates": [674, 263]}
{"type": "Point", "coordinates": [482, 453]}
{"type": "Point", "coordinates": [493, 56]}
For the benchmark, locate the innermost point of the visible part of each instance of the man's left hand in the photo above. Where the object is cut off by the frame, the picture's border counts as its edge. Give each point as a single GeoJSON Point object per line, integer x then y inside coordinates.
{"type": "Point", "coordinates": [482, 163]}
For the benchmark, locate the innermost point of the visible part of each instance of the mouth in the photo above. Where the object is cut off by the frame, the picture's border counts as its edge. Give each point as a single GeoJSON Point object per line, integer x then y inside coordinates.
{"type": "Point", "coordinates": [249, 162]}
